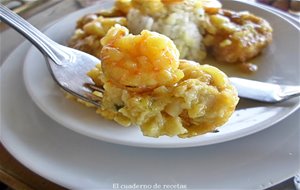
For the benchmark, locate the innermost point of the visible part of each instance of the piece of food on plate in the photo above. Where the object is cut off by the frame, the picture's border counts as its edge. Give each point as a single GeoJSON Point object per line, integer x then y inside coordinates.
{"type": "Point", "coordinates": [236, 37]}
{"type": "Point", "coordinates": [197, 27]}
{"type": "Point", "coordinates": [146, 84]}
{"type": "Point", "coordinates": [90, 29]}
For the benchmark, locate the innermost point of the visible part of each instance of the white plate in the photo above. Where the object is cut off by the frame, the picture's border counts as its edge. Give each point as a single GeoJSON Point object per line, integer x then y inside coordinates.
{"type": "Point", "coordinates": [249, 117]}
{"type": "Point", "coordinates": [77, 162]}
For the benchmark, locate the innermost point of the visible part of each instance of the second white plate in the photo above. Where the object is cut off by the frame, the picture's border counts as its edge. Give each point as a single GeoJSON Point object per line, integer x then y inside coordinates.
{"type": "Point", "coordinates": [249, 117]}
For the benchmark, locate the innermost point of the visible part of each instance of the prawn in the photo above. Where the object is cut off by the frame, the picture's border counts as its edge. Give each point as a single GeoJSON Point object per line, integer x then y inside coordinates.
{"type": "Point", "coordinates": [139, 62]}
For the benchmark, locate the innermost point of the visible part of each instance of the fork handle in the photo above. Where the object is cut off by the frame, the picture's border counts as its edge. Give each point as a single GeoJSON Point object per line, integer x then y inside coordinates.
{"type": "Point", "coordinates": [47, 46]}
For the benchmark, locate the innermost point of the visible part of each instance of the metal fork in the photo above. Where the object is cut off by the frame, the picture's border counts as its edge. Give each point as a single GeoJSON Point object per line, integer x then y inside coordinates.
{"type": "Point", "coordinates": [264, 92]}
{"type": "Point", "coordinates": [67, 66]}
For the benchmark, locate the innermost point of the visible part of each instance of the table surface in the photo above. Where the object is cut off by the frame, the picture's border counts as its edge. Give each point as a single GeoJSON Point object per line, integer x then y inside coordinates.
{"type": "Point", "coordinates": [13, 173]}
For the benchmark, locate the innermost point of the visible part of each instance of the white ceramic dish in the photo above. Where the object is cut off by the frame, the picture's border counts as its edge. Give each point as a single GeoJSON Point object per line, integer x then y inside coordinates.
{"type": "Point", "coordinates": [248, 118]}
{"type": "Point", "coordinates": [75, 161]}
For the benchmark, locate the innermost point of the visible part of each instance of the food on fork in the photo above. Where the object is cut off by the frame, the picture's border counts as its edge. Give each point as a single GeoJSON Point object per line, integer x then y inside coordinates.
{"type": "Point", "coordinates": [146, 84]}
{"type": "Point", "coordinates": [197, 27]}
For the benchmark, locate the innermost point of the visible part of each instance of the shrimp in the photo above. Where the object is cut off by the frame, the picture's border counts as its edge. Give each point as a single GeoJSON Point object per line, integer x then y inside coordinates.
{"type": "Point", "coordinates": [139, 62]}
{"type": "Point", "coordinates": [236, 36]}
